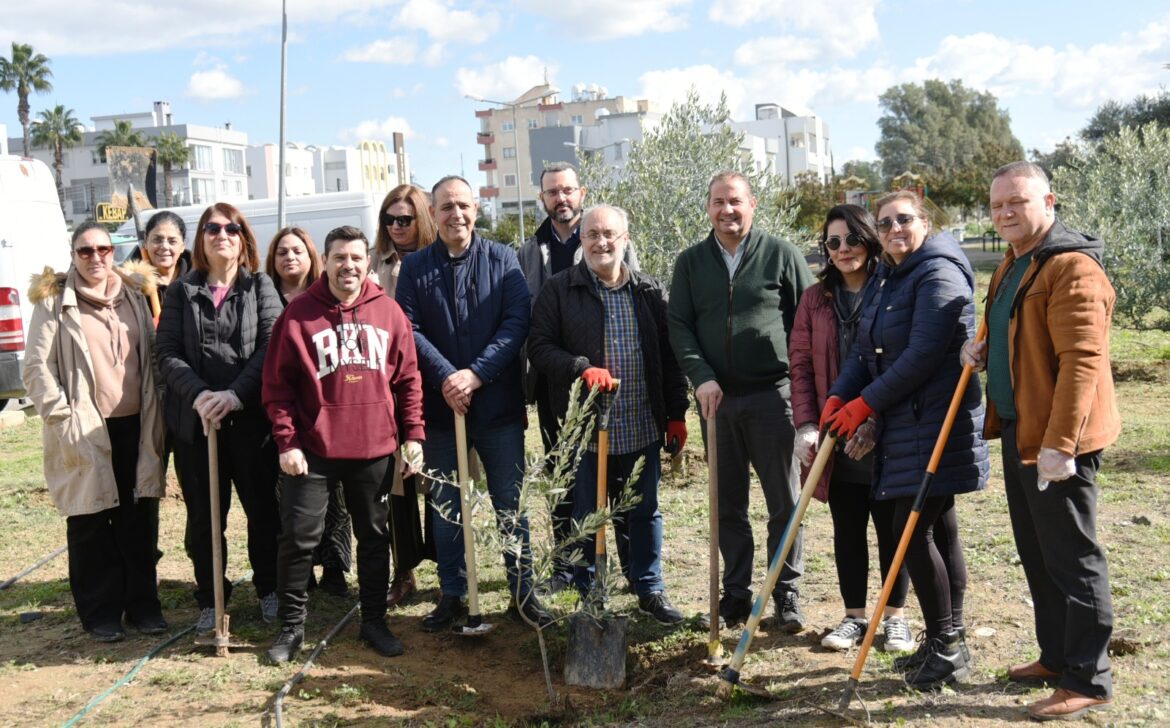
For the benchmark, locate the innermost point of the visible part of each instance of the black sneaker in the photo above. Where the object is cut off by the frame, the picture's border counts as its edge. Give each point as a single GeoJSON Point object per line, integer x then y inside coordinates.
{"type": "Point", "coordinates": [446, 613]}
{"type": "Point", "coordinates": [733, 611]}
{"type": "Point", "coordinates": [789, 618]}
{"type": "Point", "coordinates": [287, 644]}
{"type": "Point", "coordinates": [658, 606]}
{"type": "Point", "coordinates": [111, 632]}
{"type": "Point", "coordinates": [533, 610]}
{"type": "Point", "coordinates": [944, 664]}
{"type": "Point", "coordinates": [154, 624]}
{"type": "Point", "coordinates": [557, 584]}
{"type": "Point", "coordinates": [916, 658]}
{"type": "Point", "coordinates": [378, 636]}
{"type": "Point", "coordinates": [333, 582]}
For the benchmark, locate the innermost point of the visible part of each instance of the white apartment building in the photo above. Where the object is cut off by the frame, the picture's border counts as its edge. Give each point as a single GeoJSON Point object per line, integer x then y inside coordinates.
{"type": "Point", "coordinates": [788, 144]}
{"type": "Point", "coordinates": [216, 171]}
{"type": "Point", "coordinates": [368, 167]}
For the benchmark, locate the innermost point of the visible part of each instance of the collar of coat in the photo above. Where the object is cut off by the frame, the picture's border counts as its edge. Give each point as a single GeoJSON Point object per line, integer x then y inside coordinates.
{"type": "Point", "coordinates": [137, 274]}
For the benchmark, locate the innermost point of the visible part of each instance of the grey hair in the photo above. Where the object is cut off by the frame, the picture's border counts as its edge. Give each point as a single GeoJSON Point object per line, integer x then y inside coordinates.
{"type": "Point", "coordinates": [589, 211]}
{"type": "Point", "coordinates": [1023, 169]}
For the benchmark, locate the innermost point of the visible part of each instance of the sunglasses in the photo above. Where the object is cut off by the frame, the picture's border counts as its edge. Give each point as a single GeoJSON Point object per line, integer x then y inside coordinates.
{"type": "Point", "coordinates": [402, 221]}
{"type": "Point", "coordinates": [833, 242]}
{"type": "Point", "coordinates": [213, 228]}
{"type": "Point", "coordinates": [886, 224]}
{"type": "Point", "coordinates": [87, 252]}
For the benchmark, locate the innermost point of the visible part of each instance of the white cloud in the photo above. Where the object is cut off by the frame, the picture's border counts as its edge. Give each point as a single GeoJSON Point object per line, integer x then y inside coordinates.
{"type": "Point", "coordinates": [398, 50]}
{"type": "Point", "coordinates": [672, 85]}
{"type": "Point", "coordinates": [215, 85]}
{"type": "Point", "coordinates": [442, 23]}
{"type": "Point", "coordinates": [442, 142]}
{"type": "Point", "coordinates": [377, 129]}
{"type": "Point", "coordinates": [842, 27]}
{"type": "Point", "coordinates": [504, 80]}
{"type": "Point", "coordinates": [777, 50]}
{"type": "Point", "coordinates": [606, 19]}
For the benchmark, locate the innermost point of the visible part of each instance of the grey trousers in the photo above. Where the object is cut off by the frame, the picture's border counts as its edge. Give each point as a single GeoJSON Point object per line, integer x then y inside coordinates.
{"type": "Point", "coordinates": [756, 429]}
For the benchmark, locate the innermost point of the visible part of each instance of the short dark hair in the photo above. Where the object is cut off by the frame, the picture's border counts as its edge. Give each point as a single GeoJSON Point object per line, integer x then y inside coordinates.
{"type": "Point", "coordinates": [860, 223]}
{"type": "Point", "coordinates": [556, 167]}
{"type": "Point", "coordinates": [166, 216]}
{"type": "Point", "coordinates": [84, 228]}
{"type": "Point", "coordinates": [444, 180]}
{"type": "Point", "coordinates": [345, 233]}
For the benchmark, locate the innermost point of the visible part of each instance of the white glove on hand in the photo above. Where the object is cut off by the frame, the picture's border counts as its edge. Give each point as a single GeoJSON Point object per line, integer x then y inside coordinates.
{"type": "Point", "coordinates": [1054, 465]}
{"type": "Point", "coordinates": [974, 353]}
{"type": "Point", "coordinates": [805, 445]}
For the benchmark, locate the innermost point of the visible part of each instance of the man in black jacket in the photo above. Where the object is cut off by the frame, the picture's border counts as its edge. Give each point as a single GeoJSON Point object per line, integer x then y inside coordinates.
{"type": "Point", "coordinates": [600, 321]}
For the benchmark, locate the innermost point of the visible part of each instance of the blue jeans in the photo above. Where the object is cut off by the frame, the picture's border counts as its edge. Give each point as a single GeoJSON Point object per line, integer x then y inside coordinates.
{"type": "Point", "coordinates": [501, 449]}
{"type": "Point", "coordinates": [643, 524]}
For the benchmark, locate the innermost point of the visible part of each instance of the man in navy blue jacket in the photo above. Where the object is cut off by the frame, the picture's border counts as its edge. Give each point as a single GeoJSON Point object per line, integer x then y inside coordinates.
{"type": "Point", "coordinates": [468, 302]}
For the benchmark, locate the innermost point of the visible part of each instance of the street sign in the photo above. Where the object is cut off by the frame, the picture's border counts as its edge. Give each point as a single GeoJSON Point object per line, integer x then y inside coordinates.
{"type": "Point", "coordinates": [107, 212]}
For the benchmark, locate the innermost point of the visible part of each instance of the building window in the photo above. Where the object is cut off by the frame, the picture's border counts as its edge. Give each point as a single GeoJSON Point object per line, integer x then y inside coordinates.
{"type": "Point", "coordinates": [532, 124]}
{"type": "Point", "coordinates": [509, 180]}
{"type": "Point", "coordinates": [576, 119]}
{"type": "Point", "coordinates": [506, 126]}
{"type": "Point", "coordinates": [202, 190]}
{"type": "Point", "coordinates": [233, 161]}
{"type": "Point", "coordinates": [239, 187]}
{"type": "Point", "coordinates": [201, 158]}
{"type": "Point", "coordinates": [509, 152]}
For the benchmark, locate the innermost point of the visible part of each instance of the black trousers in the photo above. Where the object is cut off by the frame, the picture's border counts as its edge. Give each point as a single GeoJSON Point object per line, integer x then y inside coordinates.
{"type": "Point", "coordinates": [935, 561]}
{"type": "Point", "coordinates": [1068, 576]}
{"type": "Point", "coordinates": [336, 548]}
{"type": "Point", "coordinates": [303, 502]}
{"type": "Point", "coordinates": [111, 555]}
{"type": "Point", "coordinates": [852, 508]}
{"type": "Point", "coordinates": [247, 458]}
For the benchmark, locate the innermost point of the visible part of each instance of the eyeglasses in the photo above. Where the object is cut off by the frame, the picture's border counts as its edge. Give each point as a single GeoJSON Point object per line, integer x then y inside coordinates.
{"type": "Point", "coordinates": [833, 242]}
{"type": "Point", "coordinates": [213, 228]}
{"type": "Point", "coordinates": [886, 224]}
{"type": "Point", "coordinates": [560, 192]}
{"type": "Point", "coordinates": [402, 221]}
{"type": "Point", "coordinates": [103, 251]}
{"type": "Point", "coordinates": [594, 236]}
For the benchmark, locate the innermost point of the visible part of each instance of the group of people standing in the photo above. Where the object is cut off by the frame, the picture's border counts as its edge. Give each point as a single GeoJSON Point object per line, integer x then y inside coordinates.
{"type": "Point", "coordinates": [330, 381]}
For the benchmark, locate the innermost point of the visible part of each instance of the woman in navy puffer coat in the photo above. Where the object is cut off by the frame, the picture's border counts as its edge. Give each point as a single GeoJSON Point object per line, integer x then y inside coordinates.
{"type": "Point", "coordinates": [904, 369]}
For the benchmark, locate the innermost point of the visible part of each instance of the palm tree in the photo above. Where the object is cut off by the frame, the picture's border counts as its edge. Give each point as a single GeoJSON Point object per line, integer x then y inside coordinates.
{"type": "Point", "coordinates": [122, 135]}
{"type": "Point", "coordinates": [58, 130]}
{"type": "Point", "coordinates": [25, 72]}
{"type": "Point", "coordinates": [170, 151]}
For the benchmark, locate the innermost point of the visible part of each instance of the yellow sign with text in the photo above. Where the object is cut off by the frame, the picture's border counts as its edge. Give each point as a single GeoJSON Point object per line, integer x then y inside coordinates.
{"type": "Point", "coordinates": [111, 213]}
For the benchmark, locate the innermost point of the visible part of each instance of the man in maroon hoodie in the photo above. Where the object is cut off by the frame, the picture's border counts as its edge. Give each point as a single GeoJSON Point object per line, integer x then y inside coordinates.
{"type": "Point", "coordinates": [343, 390]}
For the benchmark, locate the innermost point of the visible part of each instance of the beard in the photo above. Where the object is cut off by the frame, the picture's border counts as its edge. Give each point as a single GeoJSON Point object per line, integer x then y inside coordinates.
{"type": "Point", "coordinates": [564, 213]}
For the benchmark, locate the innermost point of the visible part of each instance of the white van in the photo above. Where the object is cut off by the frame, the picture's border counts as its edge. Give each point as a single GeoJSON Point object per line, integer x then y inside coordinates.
{"type": "Point", "coordinates": [317, 214]}
{"type": "Point", "coordinates": [32, 235]}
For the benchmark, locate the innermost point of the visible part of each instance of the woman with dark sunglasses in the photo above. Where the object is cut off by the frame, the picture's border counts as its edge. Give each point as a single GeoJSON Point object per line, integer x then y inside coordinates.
{"type": "Point", "coordinates": [904, 369]}
{"type": "Point", "coordinates": [405, 227]}
{"type": "Point", "coordinates": [89, 371]}
{"type": "Point", "coordinates": [822, 338]}
{"type": "Point", "coordinates": [212, 338]}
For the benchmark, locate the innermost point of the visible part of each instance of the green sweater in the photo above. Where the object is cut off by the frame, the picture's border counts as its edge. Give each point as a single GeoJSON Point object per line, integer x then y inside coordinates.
{"type": "Point", "coordinates": [736, 331]}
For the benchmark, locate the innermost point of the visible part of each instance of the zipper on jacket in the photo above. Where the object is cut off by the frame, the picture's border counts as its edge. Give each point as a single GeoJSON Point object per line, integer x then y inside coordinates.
{"type": "Point", "coordinates": [727, 334]}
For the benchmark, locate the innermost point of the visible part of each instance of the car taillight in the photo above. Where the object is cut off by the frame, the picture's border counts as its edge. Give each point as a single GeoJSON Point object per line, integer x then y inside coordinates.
{"type": "Point", "coordinates": [11, 328]}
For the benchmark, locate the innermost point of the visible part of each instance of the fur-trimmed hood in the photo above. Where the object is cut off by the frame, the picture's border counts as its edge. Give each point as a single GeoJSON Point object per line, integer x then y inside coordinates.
{"type": "Point", "coordinates": [138, 274]}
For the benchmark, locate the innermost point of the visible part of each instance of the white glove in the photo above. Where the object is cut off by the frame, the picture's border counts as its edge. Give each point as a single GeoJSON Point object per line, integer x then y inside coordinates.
{"type": "Point", "coordinates": [974, 353]}
{"type": "Point", "coordinates": [805, 445]}
{"type": "Point", "coordinates": [1054, 465]}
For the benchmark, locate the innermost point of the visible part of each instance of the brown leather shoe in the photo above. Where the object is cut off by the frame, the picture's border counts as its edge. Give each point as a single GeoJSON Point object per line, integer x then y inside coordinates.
{"type": "Point", "coordinates": [401, 588]}
{"type": "Point", "coordinates": [1032, 672]}
{"type": "Point", "coordinates": [1064, 704]}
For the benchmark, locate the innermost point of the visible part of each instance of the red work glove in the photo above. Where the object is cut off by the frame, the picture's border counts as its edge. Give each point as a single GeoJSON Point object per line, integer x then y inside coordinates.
{"type": "Point", "coordinates": [676, 436]}
{"type": "Point", "coordinates": [599, 378]}
{"type": "Point", "coordinates": [845, 421]}
{"type": "Point", "coordinates": [832, 404]}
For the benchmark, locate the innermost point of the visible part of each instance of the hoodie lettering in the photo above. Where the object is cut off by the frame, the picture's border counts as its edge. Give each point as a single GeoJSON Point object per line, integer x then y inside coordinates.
{"type": "Point", "coordinates": [350, 344]}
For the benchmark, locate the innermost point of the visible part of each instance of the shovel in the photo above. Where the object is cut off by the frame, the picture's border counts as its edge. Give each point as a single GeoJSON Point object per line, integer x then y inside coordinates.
{"type": "Point", "coordinates": [222, 639]}
{"type": "Point", "coordinates": [475, 625]}
{"type": "Point", "coordinates": [911, 522]}
{"type": "Point", "coordinates": [730, 674]}
{"type": "Point", "coordinates": [715, 657]}
{"type": "Point", "coordinates": [601, 559]}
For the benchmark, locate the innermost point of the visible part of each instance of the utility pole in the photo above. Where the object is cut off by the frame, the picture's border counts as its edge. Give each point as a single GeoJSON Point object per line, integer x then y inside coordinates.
{"type": "Point", "coordinates": [283, 89]}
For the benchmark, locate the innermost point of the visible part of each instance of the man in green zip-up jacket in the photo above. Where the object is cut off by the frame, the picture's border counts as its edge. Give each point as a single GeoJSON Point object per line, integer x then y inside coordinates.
{"type": "Point", "coordinates": [733, 299]}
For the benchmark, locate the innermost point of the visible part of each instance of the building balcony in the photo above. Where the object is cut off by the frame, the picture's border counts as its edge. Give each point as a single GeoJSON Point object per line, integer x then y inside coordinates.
{"type": "Point", "coordinates": [486, 165]}
{"type": "Point", "coordinates": [486, 192]}
{"type": "Point", "coordinates": [559, 106]}
{"type": "Point", "coordinates": [485, 137]}
{"type": "Point", "coordinates": [483, 113]}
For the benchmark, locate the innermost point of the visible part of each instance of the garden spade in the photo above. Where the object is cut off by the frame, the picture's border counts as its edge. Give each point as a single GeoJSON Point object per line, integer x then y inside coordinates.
{"type": "Point", "coordinates": [601, 570]}
{"type": "Point", "coordinates": [475, 625]}
{"type": "Point", "coordinates": [715, 657]}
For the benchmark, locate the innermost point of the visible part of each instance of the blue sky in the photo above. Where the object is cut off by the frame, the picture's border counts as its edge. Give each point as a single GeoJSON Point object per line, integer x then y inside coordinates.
{"type": "Point", "coordinates": [366, 68]}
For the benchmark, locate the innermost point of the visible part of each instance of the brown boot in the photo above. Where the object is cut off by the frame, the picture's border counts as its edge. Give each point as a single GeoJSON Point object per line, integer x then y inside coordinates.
{"type": "Point", "coordinates": [1032, 672]}
{"type": "Point", "coordinates": [1064, 704]}
{"type": "Point", "coordinates": [401, 588]}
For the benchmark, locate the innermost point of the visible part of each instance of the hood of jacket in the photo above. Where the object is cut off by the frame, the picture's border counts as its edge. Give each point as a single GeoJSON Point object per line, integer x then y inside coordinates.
{"type": "Point", "coordinates": [321, 293]}
{"type": "Point", "coordinates": [938, 246]}
{"type": "Point", "coordinates": [1060, 239]}
{"type": "Point", "coordinates": [138, 275]}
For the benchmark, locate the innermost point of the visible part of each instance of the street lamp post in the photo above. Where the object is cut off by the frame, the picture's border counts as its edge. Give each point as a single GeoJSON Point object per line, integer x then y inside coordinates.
{"type": "Point", "coordinates": [515, 157]}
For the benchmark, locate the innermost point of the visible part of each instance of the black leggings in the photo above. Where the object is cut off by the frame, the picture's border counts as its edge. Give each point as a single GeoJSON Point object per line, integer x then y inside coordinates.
{"type": "Point", "coordinates": [852, 508]}
{"type": "Point", "coordinates": [935, 561]}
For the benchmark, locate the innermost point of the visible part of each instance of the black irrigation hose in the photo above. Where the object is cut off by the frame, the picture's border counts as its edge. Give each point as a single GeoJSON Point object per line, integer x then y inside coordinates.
{"type": "Point", "coordinates": [44, 560]}
{"type": "Point", "coordinates": [278, 703]}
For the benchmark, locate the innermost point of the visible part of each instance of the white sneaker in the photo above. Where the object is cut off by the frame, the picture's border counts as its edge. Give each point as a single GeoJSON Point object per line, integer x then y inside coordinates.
{"type": "Point", "coordinates": [847, 634]}
{"type": "Point", "coordinates": [898, 636]}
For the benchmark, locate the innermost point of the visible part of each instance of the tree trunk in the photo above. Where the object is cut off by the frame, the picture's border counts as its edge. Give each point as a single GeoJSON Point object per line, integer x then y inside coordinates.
{"type": "Point", "coordinates": [167, 191]}
{"type": "Point", "coordinates": [58, 164]}
{"type": "Point", "coordinates": [22, 114]}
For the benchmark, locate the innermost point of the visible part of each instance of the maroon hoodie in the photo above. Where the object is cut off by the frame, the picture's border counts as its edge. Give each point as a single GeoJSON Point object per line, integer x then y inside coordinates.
{"type": "Point", "coordinates": [342, 381]}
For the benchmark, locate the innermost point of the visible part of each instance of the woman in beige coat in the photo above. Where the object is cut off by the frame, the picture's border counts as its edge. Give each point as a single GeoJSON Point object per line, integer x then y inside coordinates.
{"type": "Point", "coordinates": [89, 371]}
